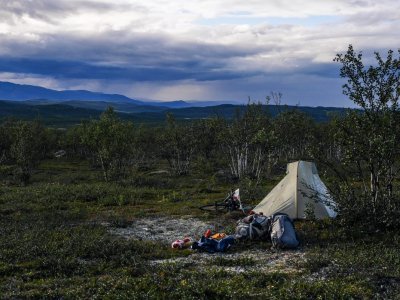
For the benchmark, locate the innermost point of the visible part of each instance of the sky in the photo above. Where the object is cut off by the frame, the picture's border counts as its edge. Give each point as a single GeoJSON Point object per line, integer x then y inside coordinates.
{"type": "Point", "coordinates": [226, 50]}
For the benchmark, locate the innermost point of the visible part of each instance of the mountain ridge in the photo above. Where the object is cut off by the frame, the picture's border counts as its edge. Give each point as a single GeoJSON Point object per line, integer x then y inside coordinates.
{"type": "Point", "coordinates": [24, 92]}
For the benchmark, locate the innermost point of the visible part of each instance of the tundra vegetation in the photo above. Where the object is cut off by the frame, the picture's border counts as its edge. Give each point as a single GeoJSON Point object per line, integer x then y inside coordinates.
{"type": "Point", "coordinates": [55, 213]}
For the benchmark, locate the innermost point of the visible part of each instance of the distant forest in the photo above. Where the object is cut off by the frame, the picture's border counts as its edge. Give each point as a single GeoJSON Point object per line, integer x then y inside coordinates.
{"type": "Point", "coordinates": [70, 113]}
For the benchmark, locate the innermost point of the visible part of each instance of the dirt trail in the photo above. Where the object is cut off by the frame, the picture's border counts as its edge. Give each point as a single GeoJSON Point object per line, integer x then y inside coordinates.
{"type": "Point", "coordinates": [167, 230]}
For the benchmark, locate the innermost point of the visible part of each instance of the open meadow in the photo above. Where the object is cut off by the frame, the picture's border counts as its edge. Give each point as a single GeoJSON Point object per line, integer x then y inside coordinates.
{"type": "Point", "coordinates": [67, 235]}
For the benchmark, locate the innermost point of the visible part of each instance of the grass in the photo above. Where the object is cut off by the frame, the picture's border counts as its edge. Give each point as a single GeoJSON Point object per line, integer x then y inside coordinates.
{"type": "Point", "coordinates": [53, 245]}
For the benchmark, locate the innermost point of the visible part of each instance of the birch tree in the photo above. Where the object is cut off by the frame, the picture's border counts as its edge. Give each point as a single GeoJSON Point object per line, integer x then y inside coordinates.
{"type": "Point", "coordinates": [110, 141]}
{"type": "Point", "coordinates": [369, 138]}
{"type": "Point", "coordinates": [293, 132]}
{"type": "Point", "coordinates": [177, 145]}
{"type": "Point", "coordinates": [4, 143]}
{"type": "Point", "coordinates": [28, 147]}
{"type": "Point", "coordinates": [245, 142]}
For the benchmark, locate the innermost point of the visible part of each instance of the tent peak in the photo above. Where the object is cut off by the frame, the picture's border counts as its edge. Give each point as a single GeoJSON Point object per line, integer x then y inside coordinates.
{"type": "Point", "coordinates": [298, 193]}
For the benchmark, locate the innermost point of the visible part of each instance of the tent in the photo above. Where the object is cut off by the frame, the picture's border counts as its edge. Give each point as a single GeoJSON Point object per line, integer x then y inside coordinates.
{"type": "Point", "coordinates": [300, 191]}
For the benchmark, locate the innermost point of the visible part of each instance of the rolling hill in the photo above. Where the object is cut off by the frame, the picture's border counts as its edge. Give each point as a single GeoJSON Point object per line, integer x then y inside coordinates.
{"type": "Point", "coordinates": [69, 113]}
{"type": "Point", "coordinates": [69, 107]}
{"type": "Point", "coordinates": [23, 92]}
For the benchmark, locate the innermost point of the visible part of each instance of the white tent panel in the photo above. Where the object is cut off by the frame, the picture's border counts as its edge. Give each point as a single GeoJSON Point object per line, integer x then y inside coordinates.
{"type": "Point", "coordinates": [299, 190]}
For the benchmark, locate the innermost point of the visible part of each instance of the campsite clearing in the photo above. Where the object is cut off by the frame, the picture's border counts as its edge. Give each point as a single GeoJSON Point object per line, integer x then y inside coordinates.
{"type": "Point", "coordinates": [246, 256]}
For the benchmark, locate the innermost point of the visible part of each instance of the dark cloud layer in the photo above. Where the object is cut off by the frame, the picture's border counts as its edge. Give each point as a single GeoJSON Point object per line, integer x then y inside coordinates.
{"type": "Point", "coordinates": [135, 57]}
{"type": "Point", "coordinates": [122, 42]}
{"type": "Point", "coordinates": [120, 46]}
{"type": "Point", "coordinates": [81, 70]}
{"type": "Point", "coordinates": [119, 57]}
{"type": "Point", "coordinates": [48, 10]}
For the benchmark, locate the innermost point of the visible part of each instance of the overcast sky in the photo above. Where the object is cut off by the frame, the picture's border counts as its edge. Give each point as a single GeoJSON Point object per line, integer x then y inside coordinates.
{"type": "Point", "coordinates": [187, 49]}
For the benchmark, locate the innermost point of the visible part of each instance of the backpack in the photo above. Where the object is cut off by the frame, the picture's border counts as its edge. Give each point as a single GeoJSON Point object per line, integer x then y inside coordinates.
{"type": "Point", "coordinates": [256, 227]}
{"type": "Point", "coordinates": [283, 234]}
{"type": "Point", "coordinates": [242, 231]}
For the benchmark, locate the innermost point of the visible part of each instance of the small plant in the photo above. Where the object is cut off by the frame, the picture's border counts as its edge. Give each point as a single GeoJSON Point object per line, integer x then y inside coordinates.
{"type": "Point", "coordinates": [309, 211]}
{"type": "Point", "coordinates": [120, 222]}
{"type": "Point", "coordinates": [238, 262]}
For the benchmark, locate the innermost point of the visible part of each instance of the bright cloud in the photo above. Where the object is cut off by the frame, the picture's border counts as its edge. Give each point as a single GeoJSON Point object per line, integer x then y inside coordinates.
{"type": "Point", "coordinates": [200, 49]}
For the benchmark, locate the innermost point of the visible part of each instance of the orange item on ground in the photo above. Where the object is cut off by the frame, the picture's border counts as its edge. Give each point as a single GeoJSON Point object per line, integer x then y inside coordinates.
{"type": "Point", "coordinates": [218, 236]}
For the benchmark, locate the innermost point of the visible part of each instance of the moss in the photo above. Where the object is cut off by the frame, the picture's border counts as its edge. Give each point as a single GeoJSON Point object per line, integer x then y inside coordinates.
{"type": "Point", "coordinates": [53, 245]}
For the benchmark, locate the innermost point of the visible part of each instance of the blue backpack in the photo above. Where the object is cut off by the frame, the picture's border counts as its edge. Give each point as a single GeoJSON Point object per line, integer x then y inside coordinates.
{"type": "Point", "coordinates": [283, 234]}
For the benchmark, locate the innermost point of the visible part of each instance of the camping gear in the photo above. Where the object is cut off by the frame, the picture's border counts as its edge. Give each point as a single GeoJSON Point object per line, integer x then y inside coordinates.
{"type": "Point", "coordinates": [253, 227]}
{"type": "Point", "coordinates": [279, 228]}
{"type": "Point", "coordinates": [231, 203]}
{"type": "Point", "coordinates": [218, 236]}
{"type": "Point", "coordinates": [299, 194]}
{"type": "Point", "coordinates": [248, 219]}
{"type": "Point", "coordinates": [242, 231]}
{"type": "Point", "coordinates": [283, 234]}
{"type": "Point", "coordinates": [181, 244]}
{"type": "Point", "coordinates": [212, 245]}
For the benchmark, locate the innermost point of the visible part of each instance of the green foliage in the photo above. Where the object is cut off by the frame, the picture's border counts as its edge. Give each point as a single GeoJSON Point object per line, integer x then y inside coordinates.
{"type": "Point", "coordinates": [207, 133]}
{"type": "Point", "coordinates": [4, 143]}
{"type": "Point", "coordinates": [26, 144]}
{"type": "Point", "coordinates": [309, 211]}
{"type": "Point", "coordinates": [242, 261]}
{"type": "Point", "coordinates": [54, 243]}
{"type": "Point", "coordinates": [246, 142]}
{"type": "Point", "coordinates": [111, 141]}
{"type": "Point", "coordinates": [374, 88]}
{"type": "Point", "coordinates": [368, 140]}
{"type": "Point", "coordinates": [368, 261]}
{"type": "Point", "coordinates": [70, 113]}
{"type": "Point", "coordinates": [293, 133]}
{"type": "Point", "coordinates": [178, 144]}
{"type": "Point", "coordinates": [45, 251]}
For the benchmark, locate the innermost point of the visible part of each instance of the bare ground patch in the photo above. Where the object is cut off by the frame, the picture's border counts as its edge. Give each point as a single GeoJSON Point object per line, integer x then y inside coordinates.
{"type": "Point", "coordinates": [238, 259]}
{"type": "Point", "coordinates": [164, 230]}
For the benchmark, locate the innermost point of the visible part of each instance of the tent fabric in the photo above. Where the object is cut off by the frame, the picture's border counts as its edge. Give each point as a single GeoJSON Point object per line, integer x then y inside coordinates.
{"type": "Point", "coordinates": [300, 189]}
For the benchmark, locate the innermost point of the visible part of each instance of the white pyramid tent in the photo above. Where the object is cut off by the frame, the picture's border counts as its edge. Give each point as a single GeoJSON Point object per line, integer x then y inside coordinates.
{"type": "Point", "coordinates": [301, 189]}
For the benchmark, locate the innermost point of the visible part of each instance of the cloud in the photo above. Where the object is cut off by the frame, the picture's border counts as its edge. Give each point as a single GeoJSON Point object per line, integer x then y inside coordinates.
{"type": "Point", "coordinates": [205, 48]}
{"type": "Point", "coordinates": [48, 10]}
{"type": "Point", "coordinates": [135, 57]}
{"type": "Point", "coordinates": [80, 70]}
